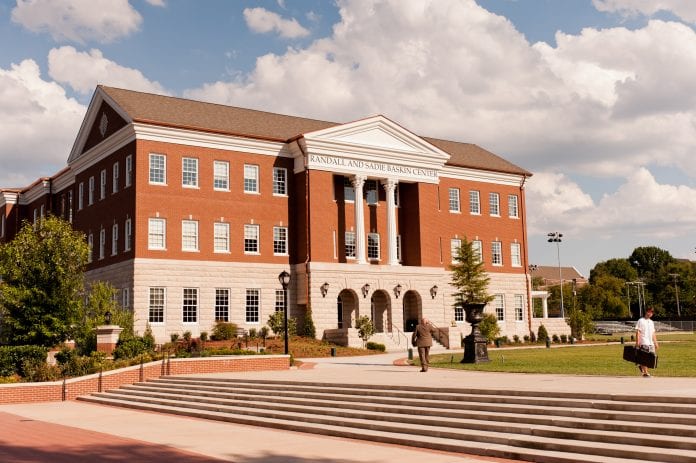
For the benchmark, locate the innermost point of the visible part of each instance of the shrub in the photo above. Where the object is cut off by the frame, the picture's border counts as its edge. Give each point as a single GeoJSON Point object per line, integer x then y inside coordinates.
{"type": "Point", "coordinates": [555, 338]}
{"type": "Point", "coordinates": [376, 346]}
{"type": "Point", "coordinates": [224, 331]}
{"type": "Point", "coordinates": [532, 337]}
{"type": "Point", "coordinates": [309, 330]}
{"type": "Point", "coordinates": [203, 336]}
{"type": "Point", "coordinates": [149, 338]}
{"type": "Point", "coordinates": [365, 327]}
{"type": "Point", "coordinates": [526, 338]}
{"type": "Point", "coordinates": [35, 370]}
{"type": "Point", "coordinates": [275, 323]}
{"type": "Point", "coordinates": [253, 334]}
{"type": "Point", "coordinates": [564, 338]}
{"type": "Point", "coordinates": [489, 327]}
{"type": "Point", "coordinates": [516, 339]}
{"type": "Point", "coordinates": [187, 336]}
{"type": "Point", "coordinates": [174, 337]}
{"type": "Point", "coordinates": [12, 358]}
{"type": "Point", "coordinates": [73, 364]}
{"type": "Point", "coordinates": [542, 334]}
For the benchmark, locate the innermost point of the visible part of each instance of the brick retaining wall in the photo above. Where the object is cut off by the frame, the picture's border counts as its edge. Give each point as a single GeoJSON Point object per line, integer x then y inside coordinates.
{"type": "Point", "coordinates": [74, 387]}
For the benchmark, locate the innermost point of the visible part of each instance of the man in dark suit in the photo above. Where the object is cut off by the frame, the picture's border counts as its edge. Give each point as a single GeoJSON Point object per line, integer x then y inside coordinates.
{"type": "Point", "coordinates": [423, 339]}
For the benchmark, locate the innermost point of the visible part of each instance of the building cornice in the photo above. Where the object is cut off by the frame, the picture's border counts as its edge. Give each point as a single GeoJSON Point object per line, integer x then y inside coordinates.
{"type": "Point", "coordinates": [477, 175]}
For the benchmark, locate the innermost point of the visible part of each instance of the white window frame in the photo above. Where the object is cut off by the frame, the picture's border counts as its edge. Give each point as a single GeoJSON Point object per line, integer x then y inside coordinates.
{"type": "Point", "coordinates": [494, 204]}
{"type": "Point", "coordinates": [455, 204]}
{"type": "Point", "coordinates": [221, 237]}
{"type": "Point", "coordinates": [157, 235]}
{"type": "Point", "coordinates": [499, 307]}
{"type": "Point", "coordinates": [477, 248]}
{"type": "Point", "coordinates": [350, 243]}
{"type": "Point", "coordinates": [373, 246]}
{"type": "Point", "coordinates": [348, 190]}
{"type": "Point", "coordinates": [90, 194]}
{"type": "Point", "coordinates": [280, 181]}
{"type": "Point", "coordinates": [114, 239]}
{"type": "Point", "coordinates": [102, 243]}
{"type": "Point", "coordinates": [519, 307]}
{"type": "Point", "coordinates": [102, 184]}
{"type": "Point", "coordinates": [221, 175]}
{"type": "Point", "coordinates": [158, 173]}
{"type": "Point", "coordinates": [251, 239]}
{"type": "Point", "coordinates": [125, 298]}
{"type": "Point", "coordinates": [189, 306]}
{"type": "Point", "coordinates": [513, 207]}
{"type": "Point", "coordinates": [459, 316]}
{"type": "Point", "coordinates": [497, 253]}
{"type": "Point", "coordinates": [114, 178]}
{"type": "Point", "coordinates": [80, 196]}
{"type": "Point", "coordinates": [189, 235]}
{"type": "Point", "coordinates": [156, 311]}
{"type": "Point", "coordinates": [252, 306]}
{"type": "Point", "coordinates": [455, 244]}
{"type": "Point", "coordinates": [280, 241]}
{"type": "Point", "coordinates": [371, 192]}
{"type": "Point", "coordinates": [90, 246]}
{"type": "Point", "coordinates": [128, 235]}
{"type": "Point", "coordinates": [2, 226]}
{"type": "Point", "coordinates": [129, 170]}
{"type": "Point", "coordinates": [515, 254]}
{"type": "Point", "coordinates": [251, 179]}
{"type": "Point", "coordinates": [474, 202]}
{"type": "Point", "coordinates": [222, 305]}
{"type": "Point", "coordinates": [189, 172]}
{"type": "Point", "coordinates": [279, 300]}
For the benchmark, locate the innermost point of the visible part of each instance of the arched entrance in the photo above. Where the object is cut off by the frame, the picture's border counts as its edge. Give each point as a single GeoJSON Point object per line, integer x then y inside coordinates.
{"type": "Point", "coordinates": [381, 312]}
{"type": "Point", "coordinates": [413, 310]}
{"type": "Point", "coordinates": [346, 309]}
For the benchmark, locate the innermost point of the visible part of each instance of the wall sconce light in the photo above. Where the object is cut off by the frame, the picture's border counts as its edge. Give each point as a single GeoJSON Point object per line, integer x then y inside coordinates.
{"type": "Point", "coordinates": [324, 289]}
{"type": "Point", "coordinates": [433, 291]}
{"type": "Point", "coordinates": [397, 290]}
{"type": "Point", "coordinates": [365, 289]}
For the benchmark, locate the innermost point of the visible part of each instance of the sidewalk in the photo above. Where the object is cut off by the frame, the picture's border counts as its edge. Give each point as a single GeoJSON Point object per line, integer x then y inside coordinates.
{"type": "Point", "coordinates": [80, 432]}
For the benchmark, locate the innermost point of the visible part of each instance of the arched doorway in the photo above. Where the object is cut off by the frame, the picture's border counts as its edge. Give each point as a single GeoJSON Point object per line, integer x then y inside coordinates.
{"type": "Point", "coordinates": [413, 310]}
{"type": "Point", "coordinates": [381, 311]}
{"type": "Point", "coordinates": [346, 309]}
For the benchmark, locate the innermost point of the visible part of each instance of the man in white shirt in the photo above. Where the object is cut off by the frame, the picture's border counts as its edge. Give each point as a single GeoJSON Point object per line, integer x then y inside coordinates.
{"type": "Point", "coordinates": [646, 340]}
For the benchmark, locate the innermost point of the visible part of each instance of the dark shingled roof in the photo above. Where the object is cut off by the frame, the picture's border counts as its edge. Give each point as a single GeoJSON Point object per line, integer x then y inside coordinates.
{"type": "Point", "coordinates": [211, 117]}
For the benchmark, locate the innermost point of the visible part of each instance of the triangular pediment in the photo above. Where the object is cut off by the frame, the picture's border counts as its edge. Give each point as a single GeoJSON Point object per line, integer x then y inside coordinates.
{"type": "Point", "coordinates": [103, 118]}
{"type": "Point", "coordinates": [376, 133]}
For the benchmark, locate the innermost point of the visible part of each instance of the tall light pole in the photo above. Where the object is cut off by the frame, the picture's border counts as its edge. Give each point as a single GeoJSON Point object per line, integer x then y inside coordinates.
{"type": "Point", "coordinates": [676, 291]}
{"type": "Point", "coordinates": [555, 237]}
{"type": "Point", "coordinates": [284, 279]}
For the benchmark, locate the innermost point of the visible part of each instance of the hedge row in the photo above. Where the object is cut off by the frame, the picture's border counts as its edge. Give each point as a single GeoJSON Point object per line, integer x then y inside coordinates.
{"type": "Point", "coordinates": [13, 358]}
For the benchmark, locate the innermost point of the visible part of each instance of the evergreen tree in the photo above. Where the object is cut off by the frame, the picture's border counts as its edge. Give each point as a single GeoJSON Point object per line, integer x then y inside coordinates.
{"type": "Point", "coordinates": [469, 276]}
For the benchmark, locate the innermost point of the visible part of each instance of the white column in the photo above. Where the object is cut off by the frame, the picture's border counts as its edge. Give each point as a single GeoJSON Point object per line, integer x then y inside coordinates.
{"type": "Point", "coordinates": [390, 186]}
{"type": "Point", "coordinates": [545, 306]}
{"type": "Point", "coordinates": [360, 254]}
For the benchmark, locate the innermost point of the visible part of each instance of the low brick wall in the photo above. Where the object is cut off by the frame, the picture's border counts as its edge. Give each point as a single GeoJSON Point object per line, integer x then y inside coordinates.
{"type": "Point", "coordinates": [74, 387]}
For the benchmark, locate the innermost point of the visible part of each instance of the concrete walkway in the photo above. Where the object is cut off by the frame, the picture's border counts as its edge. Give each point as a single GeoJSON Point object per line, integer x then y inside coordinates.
{"type": "Point", "coordinates": [80, 432]}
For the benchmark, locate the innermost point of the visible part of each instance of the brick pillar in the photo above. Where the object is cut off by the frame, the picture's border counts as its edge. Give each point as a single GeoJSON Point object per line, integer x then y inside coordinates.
{"type": "Point", "coordinates": [107, 337]}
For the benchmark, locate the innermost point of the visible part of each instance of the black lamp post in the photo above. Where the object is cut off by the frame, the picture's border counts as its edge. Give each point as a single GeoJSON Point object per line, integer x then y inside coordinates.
{"type": "Point", "coordinates": [555, 237]}
{"type": "Point", "coordinates": [284, 279]}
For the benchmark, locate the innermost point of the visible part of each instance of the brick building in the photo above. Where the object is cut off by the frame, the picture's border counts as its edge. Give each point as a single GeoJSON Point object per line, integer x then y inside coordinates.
{"type": "Point", "coordinates": [192, 210]}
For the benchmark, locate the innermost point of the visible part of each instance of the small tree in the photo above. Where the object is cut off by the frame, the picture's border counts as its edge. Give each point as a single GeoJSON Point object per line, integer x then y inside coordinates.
{"type": "Point", "coordinates": [469, 276]}
{"type": "Point", "coordinates": [542, 334]}
{"type": "Point", "coordinates": [489, 327]}
{"type": "Point", "coordinates": [365, 328]}
{"type": "Point", "coordinates": [100, 300]}
{"type": "Point", "coordinates": [309, 329]}
{"type": "Point", "coordinates": [275, 323]}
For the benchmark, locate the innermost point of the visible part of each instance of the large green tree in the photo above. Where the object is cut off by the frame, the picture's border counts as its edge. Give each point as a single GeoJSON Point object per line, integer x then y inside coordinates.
{"type": "Point", "coordinates": [469, 276]}
{"type": "Point", "coordinates": [42, 279]}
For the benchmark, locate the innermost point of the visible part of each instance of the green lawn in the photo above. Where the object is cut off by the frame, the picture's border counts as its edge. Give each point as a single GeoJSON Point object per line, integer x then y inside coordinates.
{"type": "Point", "coordinates": [677, 357]}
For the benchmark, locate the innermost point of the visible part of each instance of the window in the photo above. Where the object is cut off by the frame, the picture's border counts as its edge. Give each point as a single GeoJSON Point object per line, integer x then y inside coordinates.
{"type": "Point", "coordinates": [455, 244]}
{"type": "Point", "coordinates": [280, 300]}
{"type": "Point", "coordinates": [125, 298]}
{"type": "Point", "coordinates": [189, 235]}
{"type": "Point", "coordinates": [157, 234]}
{"type": "Point", "coordinates": [458, 313]}
{"type": "Point", "coordinates": [156, 308]}
{"type": "Point", "coordinates": [350, 245]}
{"type": "Point", "coordinates": [499, 304]}
{"type": "Point", "coordinates": [398, 248]}
{"type": "Point", "coordinates": [280, 240]}
{"type": "Point", "coordinates": [221, 237]}
{"type": "Point", "coordinates": [221, 175]}
{"type": "Point", "coordinates": [252, 306]}
{"type": "Point", "coordinates": [189, 172]}
{"type": "Point", "coordinates": [515, 260]}
{"type": "Point", "coordinates": [280, 181]}
{"type": "Point", "coordinates": [339, 310]}
{"type": "Point", "coordinates": [102, 184]}
{"type": "Point", "coordinates": [189, 306]}
{"type": "Point", "coordinates": [512, 206]}
{"type": "Point", "coordinates": [129, 170]}
{"type": "Point", "coordinates": [474, 202]}
{"type": "Point", "coordinates": [2, 226]}
{"type": "Point", "coordinates": [90, 197]}
{"type": "Point", "coordinates": [454, 200]}
{"type": "Point", "coordinates": [102, 243]}
{"type": "Point", "coordinates": [371, 192]}
{"type": "Point", "coordinates": [43, 210]}
{"type": "Point", "coordinates": [158, 169]}
{"type": "Point", "coordinates": [114, 178]}
{"type": "Point", "coordinates": [494, 203]}
{"type": "Point", "coordinates": [129, 236]}
{"type": "Point", "coordinates": [251, 239]}
{"type": "Point", "coordinates": [497, 253]}
{"type": "Point", "coordinates": [348, 190]}
{"type": "Point", "coordinates": [373, 246]}
{"type": "Point", "coordinates": [519, 307]}
{"type": "Point", "coordinates": [251, 178]}
{"type": "Point", "coordinates": [90, 246]}
{"type": "Point", "coordinates": [114, 239]}
{"type": "Point", "coordinates": [70, 206]}
{"type": "Point", "coordinates": [80, 195]}
{"type": "Point", "coordinates": [477, 247]}
{"type": "Point", "coordinates": [222, 305]}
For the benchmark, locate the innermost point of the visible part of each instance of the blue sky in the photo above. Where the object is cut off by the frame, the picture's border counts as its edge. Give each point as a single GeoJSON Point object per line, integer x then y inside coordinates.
{"type": "Point", "coordinates": [596, 97]}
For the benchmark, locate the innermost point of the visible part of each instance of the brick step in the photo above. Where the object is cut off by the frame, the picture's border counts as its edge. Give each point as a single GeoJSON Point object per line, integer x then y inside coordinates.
{"type": "Point", "coordinates": [511, 448]}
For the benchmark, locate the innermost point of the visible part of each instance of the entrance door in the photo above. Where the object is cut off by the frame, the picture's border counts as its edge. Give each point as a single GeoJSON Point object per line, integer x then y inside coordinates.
{"type": "Point", "coordinates": [412, 310]}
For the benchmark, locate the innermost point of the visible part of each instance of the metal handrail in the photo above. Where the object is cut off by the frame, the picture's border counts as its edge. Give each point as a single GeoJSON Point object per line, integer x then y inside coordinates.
{"type": "Point", "coordinates": [399, 334]}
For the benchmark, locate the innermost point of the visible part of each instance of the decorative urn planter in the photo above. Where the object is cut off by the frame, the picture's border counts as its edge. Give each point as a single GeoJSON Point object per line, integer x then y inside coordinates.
{"type": "Point", "coordinates": [475, 349]}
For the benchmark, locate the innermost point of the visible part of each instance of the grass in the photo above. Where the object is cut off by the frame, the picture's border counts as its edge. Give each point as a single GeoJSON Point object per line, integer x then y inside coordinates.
{"type": "Point", "coordinates": [677, 358]}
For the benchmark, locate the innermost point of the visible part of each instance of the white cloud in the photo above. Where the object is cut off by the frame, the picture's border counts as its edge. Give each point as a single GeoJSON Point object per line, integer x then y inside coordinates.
{"type": "Point", "coordinates": [262, 21]}
{"type": "Point", "coordinates": [685, 10]}
{"type": "Point", "coordinates": [78, 20]}
{"type": "Point", "coordinates": [156, 2]}
{"type": "Point", "coordinates": [38, 125]}
{"type": "Point", "coordinates": [84, 70]}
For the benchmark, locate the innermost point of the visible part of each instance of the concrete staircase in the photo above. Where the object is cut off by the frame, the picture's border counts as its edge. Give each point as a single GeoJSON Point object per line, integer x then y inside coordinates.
{"type": "Point", "coordinates": [522, 425]}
